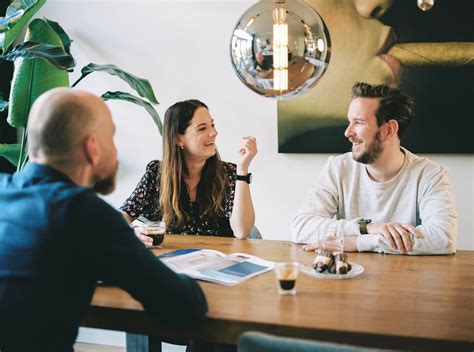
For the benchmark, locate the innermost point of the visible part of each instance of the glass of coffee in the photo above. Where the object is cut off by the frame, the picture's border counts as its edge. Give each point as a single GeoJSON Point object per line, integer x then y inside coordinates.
{"type": "Point", "coordinates": [155, 230]}
{"type": "Point", "coordinates": [286, 275]}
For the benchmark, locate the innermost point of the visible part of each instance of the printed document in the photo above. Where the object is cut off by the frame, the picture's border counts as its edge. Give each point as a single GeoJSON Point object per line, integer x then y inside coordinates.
{"type": "Point", "coordinates": [215, 266]}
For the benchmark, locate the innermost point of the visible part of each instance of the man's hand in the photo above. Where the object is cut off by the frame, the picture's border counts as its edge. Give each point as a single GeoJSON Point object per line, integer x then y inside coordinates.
{"type": "Point", "coordinates": [399, 236]}
{"type": "Point", "coordinates": [311, 247]}
{"type": "Point", "coordinates": [350, 245]}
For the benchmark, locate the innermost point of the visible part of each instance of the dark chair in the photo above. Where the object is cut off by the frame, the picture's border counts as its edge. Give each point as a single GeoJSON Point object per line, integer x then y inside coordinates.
{"type": "Point", "coordinates": [253, 341]}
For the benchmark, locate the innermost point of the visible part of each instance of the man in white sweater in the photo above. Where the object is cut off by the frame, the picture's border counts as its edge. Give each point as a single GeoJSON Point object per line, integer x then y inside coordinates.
{"type": "Point", "coordinates": [382, 197]}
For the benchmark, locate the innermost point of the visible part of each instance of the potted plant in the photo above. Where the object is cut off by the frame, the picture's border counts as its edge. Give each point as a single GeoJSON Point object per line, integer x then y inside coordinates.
{"type": "Point", "coordinates": [42, 62]}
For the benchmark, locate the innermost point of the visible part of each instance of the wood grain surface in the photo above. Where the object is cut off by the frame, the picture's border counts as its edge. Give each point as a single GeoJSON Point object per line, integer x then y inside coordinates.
{"type": "Point", "coordinates": [403, 302]}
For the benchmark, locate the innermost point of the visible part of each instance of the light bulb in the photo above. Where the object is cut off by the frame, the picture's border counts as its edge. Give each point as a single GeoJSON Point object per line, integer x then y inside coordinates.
{"type": "Point", "coordinates": [425, 5]}
{"type": "Point", "coordinates": [279, 48]}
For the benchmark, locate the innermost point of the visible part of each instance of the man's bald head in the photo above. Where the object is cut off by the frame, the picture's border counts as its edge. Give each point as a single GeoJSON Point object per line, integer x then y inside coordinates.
{"type": "Point", "coordinates": [59, 120]}
{"type": "Point", "coordinates": [73, 132]}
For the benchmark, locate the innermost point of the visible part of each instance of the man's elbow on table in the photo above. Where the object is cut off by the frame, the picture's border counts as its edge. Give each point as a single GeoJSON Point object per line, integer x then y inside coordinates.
{"type": "Point", "coordinates": [297, 230]}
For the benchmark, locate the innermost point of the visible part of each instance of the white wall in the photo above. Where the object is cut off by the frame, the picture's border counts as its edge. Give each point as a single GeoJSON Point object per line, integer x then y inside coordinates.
{"type": "Point", "coordinates": [182, 47]}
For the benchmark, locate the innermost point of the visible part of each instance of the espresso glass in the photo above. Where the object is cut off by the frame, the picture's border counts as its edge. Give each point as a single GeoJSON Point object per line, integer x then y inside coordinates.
{"type": "Point", "coordinates": [286, 275]}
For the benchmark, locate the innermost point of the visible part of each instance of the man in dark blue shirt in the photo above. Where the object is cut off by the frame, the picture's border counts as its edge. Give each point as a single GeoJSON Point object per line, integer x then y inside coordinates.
{"type": "Point", "coordinates": [57, 238]}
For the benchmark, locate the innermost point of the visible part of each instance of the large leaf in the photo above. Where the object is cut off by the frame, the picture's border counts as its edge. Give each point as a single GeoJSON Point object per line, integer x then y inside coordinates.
{"type": "Point", "coordinates": [136, 100]}
{"type": "Point", "coordinates": [142, 86]}
{"type": "Point", "coordinates": [32, 78]}
{"type": "Point", "coordinates": [17, 16]}
{"type": "Point", "coordinates": [53, 54]}
{"type": "Point", "coordinates": [65, 39]}
{"type": "Point", "coordinates": [11, 152]}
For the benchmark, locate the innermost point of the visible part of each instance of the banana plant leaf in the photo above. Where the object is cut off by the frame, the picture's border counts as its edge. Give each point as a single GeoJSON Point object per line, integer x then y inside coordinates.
{"type": "Point", "coordinates": [65, 39]}
{"type": "Point", "coordinates": [33, 77]}
{"type": "Point", "coordinates": [53, 54]}
{"type": "Point", "coordinates": [3, 105]}
{"type": "Point", "coordinates": [11, 152]}
{"type": "Point", "coordinates": [17, 17]}
{"type": "Point", "coordinates": [142, 86]}
{"type": "Point", "coordinates": [136, 100]}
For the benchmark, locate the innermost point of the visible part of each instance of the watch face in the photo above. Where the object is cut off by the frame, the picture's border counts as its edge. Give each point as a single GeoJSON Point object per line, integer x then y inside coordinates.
{"type": "Point", "coordinates": [249, 178]}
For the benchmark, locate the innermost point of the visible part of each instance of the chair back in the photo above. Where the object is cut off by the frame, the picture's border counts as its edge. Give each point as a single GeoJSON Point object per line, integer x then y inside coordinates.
{"type": "Point", "coordinates": [255, 234]}
{"type": "Point", "coordinates": [253, 341]}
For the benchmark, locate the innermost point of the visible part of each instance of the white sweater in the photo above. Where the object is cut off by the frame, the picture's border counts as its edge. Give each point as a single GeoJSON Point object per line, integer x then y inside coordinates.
{"type": "Point", "coordinates": [420, 194]}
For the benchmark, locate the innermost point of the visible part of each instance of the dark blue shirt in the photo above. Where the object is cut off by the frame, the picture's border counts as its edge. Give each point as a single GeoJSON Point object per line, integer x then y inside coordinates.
{"type": "Point", "coordinates": [57, 239]}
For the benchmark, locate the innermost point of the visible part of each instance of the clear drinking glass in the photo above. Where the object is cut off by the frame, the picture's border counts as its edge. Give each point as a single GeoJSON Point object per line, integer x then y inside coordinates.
{"type": "Point", "coordinates": [331, 239]}
{"type": "Point", "coordinates": [286, 275]}
{"type": "Point", "coordinates": [155, 230]}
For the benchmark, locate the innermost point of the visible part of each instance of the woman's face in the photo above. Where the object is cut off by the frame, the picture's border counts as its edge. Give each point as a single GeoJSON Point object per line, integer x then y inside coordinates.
{"type": "Point", "coordinates": [357, 41]}
{"type": "Point", "coordinates": [199, 137]}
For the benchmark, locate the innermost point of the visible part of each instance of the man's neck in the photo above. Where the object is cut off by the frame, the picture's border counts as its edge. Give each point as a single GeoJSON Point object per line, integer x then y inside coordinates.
{"type": "Point", "coordinates": [387, 165]}
{"type": "Point", "coordinates": [77, 174]}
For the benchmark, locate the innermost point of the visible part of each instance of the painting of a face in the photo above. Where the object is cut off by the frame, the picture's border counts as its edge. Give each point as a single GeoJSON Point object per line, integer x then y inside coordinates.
{"type": "Point", "coordinates": [361, 33]}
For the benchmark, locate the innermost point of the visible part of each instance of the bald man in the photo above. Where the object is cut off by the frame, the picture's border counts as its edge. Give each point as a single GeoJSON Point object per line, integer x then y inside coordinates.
{"type": "Point", "coordinates": [57, 238]}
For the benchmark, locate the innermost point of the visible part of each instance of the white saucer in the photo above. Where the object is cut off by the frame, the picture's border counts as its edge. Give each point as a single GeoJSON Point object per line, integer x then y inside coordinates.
{"type": "Point", "coordinates": [356, 270]}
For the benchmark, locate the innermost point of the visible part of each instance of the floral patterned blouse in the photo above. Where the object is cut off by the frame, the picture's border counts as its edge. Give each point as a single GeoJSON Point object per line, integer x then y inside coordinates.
{"type": "Point", "coordinates": [144, 201]}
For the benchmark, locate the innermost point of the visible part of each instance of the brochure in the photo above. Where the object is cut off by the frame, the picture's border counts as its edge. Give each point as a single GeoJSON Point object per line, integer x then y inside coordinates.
{"type": "Point", "coordinates": [215, 266]}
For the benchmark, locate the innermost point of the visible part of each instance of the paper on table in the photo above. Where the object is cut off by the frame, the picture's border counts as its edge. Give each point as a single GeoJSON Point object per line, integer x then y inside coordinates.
{"type": "Point", "coordinates": [215, 266]}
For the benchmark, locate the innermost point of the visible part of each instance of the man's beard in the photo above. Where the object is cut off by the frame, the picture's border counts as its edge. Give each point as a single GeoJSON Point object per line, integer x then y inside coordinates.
{"type": "Point", "coordinates": [106, 185]}
{"type": "Point", "coordinates": [372, 153]}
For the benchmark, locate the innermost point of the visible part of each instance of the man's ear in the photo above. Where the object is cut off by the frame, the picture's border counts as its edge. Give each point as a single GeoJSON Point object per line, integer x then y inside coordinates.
{"type": "Point", "coordinates": [392, 128]}
{"type": "Point", "coordinates": [91, 149]}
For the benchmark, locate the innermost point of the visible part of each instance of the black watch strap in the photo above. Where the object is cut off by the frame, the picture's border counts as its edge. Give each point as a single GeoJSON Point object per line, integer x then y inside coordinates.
{"type": "Point", "coordinates": [247, 178]}
{"type": "Point", "coordinates": [363, 226]}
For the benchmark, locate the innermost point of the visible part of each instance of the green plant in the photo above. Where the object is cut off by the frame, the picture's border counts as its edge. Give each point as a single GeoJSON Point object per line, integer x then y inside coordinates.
{"type": "Point", "coordinates": [42, 62]}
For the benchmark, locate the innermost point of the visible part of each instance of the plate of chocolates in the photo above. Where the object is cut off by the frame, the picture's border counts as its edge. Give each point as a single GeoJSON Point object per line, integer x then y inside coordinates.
{"type": "Point", "coordinates": [328, 265]}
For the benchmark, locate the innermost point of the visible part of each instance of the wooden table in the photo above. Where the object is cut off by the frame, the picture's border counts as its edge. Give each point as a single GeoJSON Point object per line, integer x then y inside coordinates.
{"type": "Point", "coordinates": [423, 303]}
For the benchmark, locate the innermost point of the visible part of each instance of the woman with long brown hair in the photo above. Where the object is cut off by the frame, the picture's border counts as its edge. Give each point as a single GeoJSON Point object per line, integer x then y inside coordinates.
{"type": "Point", "coordinates": [192, 190]}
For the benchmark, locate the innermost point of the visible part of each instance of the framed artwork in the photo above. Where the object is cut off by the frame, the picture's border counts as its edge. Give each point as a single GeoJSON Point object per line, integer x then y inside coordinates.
{"type": "Point", "coordinates": [361, 31]}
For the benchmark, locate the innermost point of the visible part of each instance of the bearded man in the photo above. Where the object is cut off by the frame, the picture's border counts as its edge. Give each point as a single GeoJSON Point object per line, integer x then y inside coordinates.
{"type": "Point", "coordinates": [382, 197]}
{"type": "Point", "coordinates": [57, 238]}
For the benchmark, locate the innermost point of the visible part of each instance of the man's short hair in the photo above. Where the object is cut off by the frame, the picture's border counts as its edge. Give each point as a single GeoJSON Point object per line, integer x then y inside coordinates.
{"type": "Point", "coordinates": [394, 105]}
{"type": "Point", "coordinates": [58, 127]}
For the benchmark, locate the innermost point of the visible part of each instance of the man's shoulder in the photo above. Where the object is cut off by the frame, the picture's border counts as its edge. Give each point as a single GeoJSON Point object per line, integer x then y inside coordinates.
{"type": "Point", "coordinates": [87, 209]}
{"type": "Point", "coordinates": [88, 199]}
{"type": "Point", "coordinates": [421, 164]}
{"type": "Point", "coordinates": [344, 161]}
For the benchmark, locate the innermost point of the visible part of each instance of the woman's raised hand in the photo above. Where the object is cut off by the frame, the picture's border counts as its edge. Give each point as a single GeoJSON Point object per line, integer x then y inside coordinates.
{"type": "Point", "coordinates": [247, 152]}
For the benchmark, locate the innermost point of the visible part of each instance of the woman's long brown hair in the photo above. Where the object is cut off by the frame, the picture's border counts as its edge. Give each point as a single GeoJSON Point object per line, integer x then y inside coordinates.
{"type": "Point", "coordinates": [211, 187]}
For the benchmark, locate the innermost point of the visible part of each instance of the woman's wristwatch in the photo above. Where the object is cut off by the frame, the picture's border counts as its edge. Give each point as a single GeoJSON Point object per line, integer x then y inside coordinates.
{"type": "Point", "coordinates": [247, 178]}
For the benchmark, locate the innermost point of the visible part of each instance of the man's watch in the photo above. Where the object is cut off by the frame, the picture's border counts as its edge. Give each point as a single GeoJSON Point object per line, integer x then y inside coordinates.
{"type": "Point", "coordinates": [363, 226]}
{"type": "Point", "coordinates": [247, 178]}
